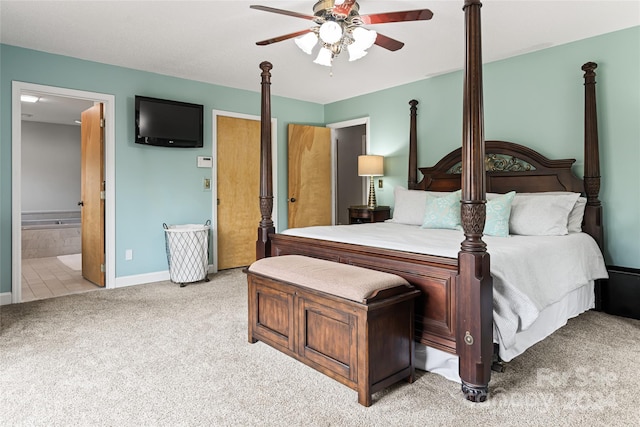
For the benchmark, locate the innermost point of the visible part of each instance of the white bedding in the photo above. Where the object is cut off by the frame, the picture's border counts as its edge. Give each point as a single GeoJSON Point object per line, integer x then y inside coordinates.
{"type": "Point", "coordinates": [551, 319]}
{"type": "Point", "coordinates": [529, 273]}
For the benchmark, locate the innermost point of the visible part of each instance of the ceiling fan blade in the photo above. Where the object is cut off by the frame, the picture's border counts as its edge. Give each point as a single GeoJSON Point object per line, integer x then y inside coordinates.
{"type": "Point", "coordinates": [343, 9]}
{"type": "Point", "coordinates": [388, 43]}
{"type": "Point", "coordinates": [281, 11]}
{"type": "Point", "coordinates": [407, 15]}
{"type": "Point", "coordinates": [281, 38]}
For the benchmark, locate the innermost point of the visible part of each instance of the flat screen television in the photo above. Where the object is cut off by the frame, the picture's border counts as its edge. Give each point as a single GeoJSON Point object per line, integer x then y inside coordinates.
{"type": "Point", "coordinates": [166, 123]}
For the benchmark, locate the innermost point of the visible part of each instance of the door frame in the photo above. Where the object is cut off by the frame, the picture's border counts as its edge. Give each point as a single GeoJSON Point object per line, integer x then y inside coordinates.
{"type": "Point", "coordinates": [16, 177]}
{"type": "Point", "coordinates": [214, 175]}
{"type": "Point", "coordinates": [334, 161]}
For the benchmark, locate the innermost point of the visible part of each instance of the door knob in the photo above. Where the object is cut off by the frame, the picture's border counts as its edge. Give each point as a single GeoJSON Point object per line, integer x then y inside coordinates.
{"type": "Point", "coordinates": [292, 200]}
{"type": "Point", "coordinates": [80, 203]}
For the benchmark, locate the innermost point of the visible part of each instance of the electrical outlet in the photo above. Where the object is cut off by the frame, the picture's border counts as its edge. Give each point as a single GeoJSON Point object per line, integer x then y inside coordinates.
{"type": "Point", "coordinates": [206, 184]}
{"type": "Point", "coordinates": [128, 254]}
{"type": "Point", "coordinates": [379, 183]}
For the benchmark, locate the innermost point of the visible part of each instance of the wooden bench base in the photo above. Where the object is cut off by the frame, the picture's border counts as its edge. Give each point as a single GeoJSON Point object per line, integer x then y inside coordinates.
{"type": "Point", "coordinates": [364, 346]}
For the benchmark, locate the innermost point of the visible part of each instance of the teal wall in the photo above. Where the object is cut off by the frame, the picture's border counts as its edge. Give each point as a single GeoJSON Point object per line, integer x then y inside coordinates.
{"type": "Point", "coordinates": [536, 100]}
{"type": "Point", "coordinates": [153, 185]}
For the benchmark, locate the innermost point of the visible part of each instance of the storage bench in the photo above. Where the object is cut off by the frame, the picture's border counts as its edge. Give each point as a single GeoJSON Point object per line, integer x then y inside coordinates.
{"type": "Point", "coordinates": [350, 323]}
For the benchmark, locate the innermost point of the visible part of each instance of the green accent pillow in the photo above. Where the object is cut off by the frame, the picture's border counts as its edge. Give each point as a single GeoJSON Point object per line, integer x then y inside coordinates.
{"type": "Point", "coordinates": [442, 212]}
{"type": "Point", "coordinates": [498, 213]}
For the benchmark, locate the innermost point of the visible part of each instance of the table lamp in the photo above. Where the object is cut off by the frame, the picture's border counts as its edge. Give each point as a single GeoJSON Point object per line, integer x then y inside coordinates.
{"type": "Point", "coordinates": [371, 165]}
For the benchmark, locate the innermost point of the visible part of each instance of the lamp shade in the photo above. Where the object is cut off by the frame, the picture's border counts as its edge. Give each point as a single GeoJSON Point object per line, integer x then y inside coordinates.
{"type": "Point", "coordinates": [307, 42]}
{"type": "Point", "coordinates": [370, 165]}
{"type": "Point", "coordinates": [324, 57]}
{"type": "Point", "coordinates": [364, 38]}
{"type": "Point", "coordinates": [355, 53]}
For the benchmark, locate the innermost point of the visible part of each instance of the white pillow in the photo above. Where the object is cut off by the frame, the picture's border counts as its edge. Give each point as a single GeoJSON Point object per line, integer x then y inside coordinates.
{"type": "Point", "coordinates": [409, 205]}
{"type": "Point", "coordinates": [577, 215]}
{"type": "Point", "coordinates": [541, 214]}
{"type": "Point", "coordinates": [574, 224]}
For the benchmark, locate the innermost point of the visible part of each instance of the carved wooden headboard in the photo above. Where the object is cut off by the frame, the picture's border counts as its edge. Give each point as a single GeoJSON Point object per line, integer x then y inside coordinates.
{"type": "Point", "coordinates": [509, 167]}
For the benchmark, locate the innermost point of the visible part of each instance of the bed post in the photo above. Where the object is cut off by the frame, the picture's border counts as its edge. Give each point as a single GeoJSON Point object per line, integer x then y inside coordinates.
{"type": "Point", "coordinates": [474, 311]}
{"type": "Point", "coordinates": [413, 147]}
{"type": "Point", "coordinates": [263, 244]}
{"type": "Point", "coordinates": [593, 210]}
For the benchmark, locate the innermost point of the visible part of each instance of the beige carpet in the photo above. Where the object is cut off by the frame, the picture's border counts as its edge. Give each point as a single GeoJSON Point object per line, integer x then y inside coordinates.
{"type": "Point", "coordinates": [73, 261]}
{"type": "Point", "coordinates": [161, 355]}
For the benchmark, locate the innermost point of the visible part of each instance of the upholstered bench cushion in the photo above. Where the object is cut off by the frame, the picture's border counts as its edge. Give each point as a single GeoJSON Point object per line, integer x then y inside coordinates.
{"type": "Point", "coordinates": [342, 280]}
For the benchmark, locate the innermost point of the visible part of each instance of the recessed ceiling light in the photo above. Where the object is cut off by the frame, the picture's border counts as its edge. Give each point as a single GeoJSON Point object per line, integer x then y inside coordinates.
{"type": "Point", "coordinates": [29, 98]}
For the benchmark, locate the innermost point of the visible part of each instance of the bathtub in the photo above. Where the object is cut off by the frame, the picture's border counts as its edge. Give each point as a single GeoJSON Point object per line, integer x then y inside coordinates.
{"type": "Point", "coordinates": [49, 234]}
{"type": "Point", "coordinates": [50, 219]}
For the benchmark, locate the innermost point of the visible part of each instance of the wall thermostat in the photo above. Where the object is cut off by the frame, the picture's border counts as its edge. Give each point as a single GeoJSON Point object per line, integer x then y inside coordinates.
{"type": "Point", "coordinates": [205, 162]}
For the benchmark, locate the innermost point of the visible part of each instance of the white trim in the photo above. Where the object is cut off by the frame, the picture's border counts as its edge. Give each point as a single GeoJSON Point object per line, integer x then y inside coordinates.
{"type": "Point", "coordinates": [334, 161]}
{"type": "Point", "coordinates": [5, 298]}
{"type": "Point", "coordinates": [214, 173]}
{"type": "Point", "coordinates": [141, 279]}
{"type": "Point", "coordinates": [351, 123]}
{"type": "Point", "coordinates": [16, 177]}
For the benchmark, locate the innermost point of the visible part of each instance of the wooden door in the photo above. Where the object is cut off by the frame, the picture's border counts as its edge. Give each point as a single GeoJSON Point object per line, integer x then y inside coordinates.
{"type": "Point", "coordinates": [92, 193]}
{"type": "Point", "coordinates": [309, 176]}
{"type": "Point", "coordinates": [238, 186]}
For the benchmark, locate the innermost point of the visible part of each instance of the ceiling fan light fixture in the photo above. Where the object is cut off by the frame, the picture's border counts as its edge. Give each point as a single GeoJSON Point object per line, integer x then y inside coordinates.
{"type": "Point", "coordinates": [337, 27]}
{"type": "Point", "coordinates": [325, 57]}
{"type": "Point", "coordinates": [330, 32]}
{"type": "Point", "coordinates": [307, 42]}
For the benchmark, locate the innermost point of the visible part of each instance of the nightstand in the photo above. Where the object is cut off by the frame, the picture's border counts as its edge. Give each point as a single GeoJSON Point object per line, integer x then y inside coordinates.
{"type": "Point", "coordinates": [362, 214]}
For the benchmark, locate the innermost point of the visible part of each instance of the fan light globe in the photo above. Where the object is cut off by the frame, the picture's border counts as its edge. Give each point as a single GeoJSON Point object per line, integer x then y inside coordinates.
{"type": "Point", "coordinates": [330, 32]}
{"type": "Point", "coordinates": [355, 53]}
{"type": "Point", "coordinates": [307, 42]}
{"type": "Point", "coordinates": [324, 57]}
{"type": "Point", "coordinates": [363, 38]}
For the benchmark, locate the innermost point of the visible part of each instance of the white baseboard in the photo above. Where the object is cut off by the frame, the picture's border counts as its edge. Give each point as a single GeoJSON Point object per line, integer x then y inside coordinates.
{"type": "Point", "coordinates": [121, 282]}
{"type": "Point", "coordinates": [139, 279]}
{"type": "Point", "coordinates": [5, 298]}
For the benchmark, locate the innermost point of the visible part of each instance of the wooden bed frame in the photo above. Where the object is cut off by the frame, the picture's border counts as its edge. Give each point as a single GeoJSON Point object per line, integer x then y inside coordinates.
{"type": "Point", "coordinates": [455, 310]}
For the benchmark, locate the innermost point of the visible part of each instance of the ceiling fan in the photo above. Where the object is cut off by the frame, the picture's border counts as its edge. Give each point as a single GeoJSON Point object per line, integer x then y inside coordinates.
{"type": "Point", "coordinates": [339, 26]}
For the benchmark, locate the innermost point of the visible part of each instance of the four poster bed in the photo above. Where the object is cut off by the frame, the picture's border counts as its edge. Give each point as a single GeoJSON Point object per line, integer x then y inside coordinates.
{"type": "Point", "coordinates": [469, 301]}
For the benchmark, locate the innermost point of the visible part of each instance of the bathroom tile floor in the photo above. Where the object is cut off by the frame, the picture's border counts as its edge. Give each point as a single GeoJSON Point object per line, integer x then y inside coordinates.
{"type": "Point", "coordinates": [49, 277]}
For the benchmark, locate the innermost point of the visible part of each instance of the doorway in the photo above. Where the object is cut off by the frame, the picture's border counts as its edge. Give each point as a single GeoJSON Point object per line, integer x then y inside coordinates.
{"type": "Point", "coordinates": [74, 97]}
{"type": "Point", "coordinates": [349, 140]}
